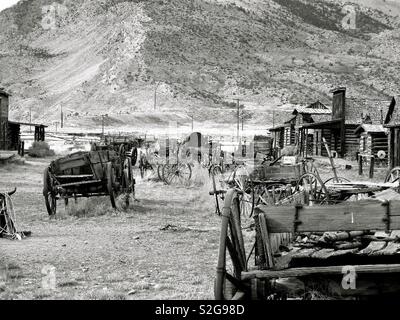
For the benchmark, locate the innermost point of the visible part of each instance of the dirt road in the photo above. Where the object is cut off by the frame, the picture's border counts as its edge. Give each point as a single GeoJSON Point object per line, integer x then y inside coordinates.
{"type": "Point", "coordinates": [98, 253]}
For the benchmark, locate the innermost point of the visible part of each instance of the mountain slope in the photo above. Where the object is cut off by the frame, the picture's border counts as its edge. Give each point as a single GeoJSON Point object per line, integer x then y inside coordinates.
{"type": "Point", "coordinates": [198, 55]}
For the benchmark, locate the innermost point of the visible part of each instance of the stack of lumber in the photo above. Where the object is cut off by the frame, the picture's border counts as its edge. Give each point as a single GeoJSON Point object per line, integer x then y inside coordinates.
{"type": "Point", "coordinates": [335, 248]}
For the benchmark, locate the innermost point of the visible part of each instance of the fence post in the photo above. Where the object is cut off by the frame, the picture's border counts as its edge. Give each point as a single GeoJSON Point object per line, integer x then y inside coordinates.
{"type": "Point", "coordinates": [371, 167]}
{"type": "Point", "coordinates": [360, 164]}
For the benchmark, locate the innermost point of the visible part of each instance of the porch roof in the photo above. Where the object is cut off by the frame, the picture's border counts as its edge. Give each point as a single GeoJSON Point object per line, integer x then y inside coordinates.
{"type": "Point", "coordinates": [321, 125]}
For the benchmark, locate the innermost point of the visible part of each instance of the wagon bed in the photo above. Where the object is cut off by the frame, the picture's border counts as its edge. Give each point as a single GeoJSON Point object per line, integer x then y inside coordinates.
{"type": "Point", "coordinates": [312, 245]}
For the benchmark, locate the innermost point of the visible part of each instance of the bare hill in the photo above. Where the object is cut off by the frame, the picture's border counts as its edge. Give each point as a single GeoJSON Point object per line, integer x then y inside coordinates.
{"type": "Point", "coordinates": [109, 57]}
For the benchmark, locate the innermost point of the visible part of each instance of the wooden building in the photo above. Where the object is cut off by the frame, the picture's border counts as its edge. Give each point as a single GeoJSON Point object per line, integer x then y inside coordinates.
{"type": "Point", "coordinates": [313, 113]}
{"type": "Point", "coordinates": [10, 131]}
{"type": "Point", "coordinates": [393, 127]}
{"type": "Point", "coordinates": [373, 139]}
{"type": "Point", "coordinates": [284, 134]}
{"type": "Point", "coordinates": [342, 131]}
{"type": "Point", "coordinates": [288, 133]}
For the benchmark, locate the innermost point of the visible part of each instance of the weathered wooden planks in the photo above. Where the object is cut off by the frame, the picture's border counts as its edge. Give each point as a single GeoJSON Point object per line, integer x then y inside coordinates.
{"type": "Point", "coordinates": [297, 272]}
{"type": "Point", "coordinates": [351, 216]}
{"type": "Point", "coordinates": [277, 173]}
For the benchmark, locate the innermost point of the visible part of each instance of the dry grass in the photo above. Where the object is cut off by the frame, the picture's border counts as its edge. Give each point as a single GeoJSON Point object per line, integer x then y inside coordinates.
{"type": "Point", "coordinates": [127, 251]}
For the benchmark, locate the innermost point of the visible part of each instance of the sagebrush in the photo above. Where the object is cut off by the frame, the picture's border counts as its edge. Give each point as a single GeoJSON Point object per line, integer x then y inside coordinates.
{"type": "Point", "coordinates": [40, 149]}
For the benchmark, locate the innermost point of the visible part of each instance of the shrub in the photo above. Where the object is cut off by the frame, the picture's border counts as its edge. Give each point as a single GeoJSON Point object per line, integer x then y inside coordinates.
{"type": "Point", "coordinates": [40, 149]}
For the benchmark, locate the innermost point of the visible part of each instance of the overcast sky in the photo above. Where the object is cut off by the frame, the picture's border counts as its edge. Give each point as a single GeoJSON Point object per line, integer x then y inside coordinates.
{"type": "Point", "coordinates": [7, 3]}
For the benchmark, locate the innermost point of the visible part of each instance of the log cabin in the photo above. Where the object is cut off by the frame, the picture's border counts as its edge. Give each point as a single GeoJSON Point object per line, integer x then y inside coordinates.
{"type": "Point", "coordinates": [373, 140]}
{"type": "Point", "coordinates": [10, 131]}
{"type": "Point", "coordinates": [342, 131]}
{"type": "Point", "coordinates": [288, 133]}
{"type": "Point", "coordinates": [284, 133]}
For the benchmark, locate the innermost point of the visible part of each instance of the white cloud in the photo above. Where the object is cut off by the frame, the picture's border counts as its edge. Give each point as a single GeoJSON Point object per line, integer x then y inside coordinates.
{"type": "Point", "coordinates": [7, 3]}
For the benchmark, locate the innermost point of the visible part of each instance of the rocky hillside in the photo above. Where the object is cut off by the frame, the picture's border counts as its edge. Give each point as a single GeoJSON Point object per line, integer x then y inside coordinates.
{"type": "Point", "coordinates": [111, 56]}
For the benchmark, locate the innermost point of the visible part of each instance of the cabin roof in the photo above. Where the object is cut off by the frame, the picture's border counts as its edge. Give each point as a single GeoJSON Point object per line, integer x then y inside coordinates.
{"type": "Point", "coordinates": [321, 117]}
{"type": "Point", "coordinates": [314, 108]}
{"type": "Point", "coordinates": [28, 124]}
{"type": "Point", "coordinates": [4, 93]}
{"type": "Point", "coordinates": [322, 124]}
{"type": "Point", "coordinates": [370, 128]}
{"type": "Point", "coordinates": [357, 110]}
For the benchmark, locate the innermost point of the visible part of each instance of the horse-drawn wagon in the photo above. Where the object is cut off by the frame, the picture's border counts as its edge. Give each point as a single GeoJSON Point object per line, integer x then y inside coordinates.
{"type": "Point", "coordinates": [88, 174]}
{"type": "Point", "coordinates": [347, 250]}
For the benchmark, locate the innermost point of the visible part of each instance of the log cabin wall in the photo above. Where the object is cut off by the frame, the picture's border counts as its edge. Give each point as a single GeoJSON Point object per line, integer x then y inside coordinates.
{"type": "Point", "coordinates": [352, 143]}
{"type": "Point", "coordinates": [379, 141]}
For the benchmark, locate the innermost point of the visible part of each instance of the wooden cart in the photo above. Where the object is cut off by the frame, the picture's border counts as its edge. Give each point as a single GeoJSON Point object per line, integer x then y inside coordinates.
{"type": "Point", "coordinates": [266, 183]}
{"type": "Point", "coordinates": [348, 250]}
{"type": "Point", "coordinates": [87, 174]}
{"type": "Point", "coordinates": [126, 146]}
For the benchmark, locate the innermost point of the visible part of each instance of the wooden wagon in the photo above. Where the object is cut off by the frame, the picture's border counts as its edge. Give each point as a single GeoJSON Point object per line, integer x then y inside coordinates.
{"type": "Point", "coordinates": [267, 183]}
{"type": "Point", "coordinates": [348, 250]}
{"type": "Point", "coordinates": [126, 146]}
{"type": "Point", "coordinates": [87, 174]}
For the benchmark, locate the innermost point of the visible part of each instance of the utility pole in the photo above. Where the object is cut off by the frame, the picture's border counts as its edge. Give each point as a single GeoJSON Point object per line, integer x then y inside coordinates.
{"type": "Point", "coordinates": [102, 125]}
{"type": "Point", "coordinates": [155, 95]}
{"type": "Point", "coordinates": [238, 118]}
{"type": "Point", "coordinates": [273, 118]}
{"type": "Point", "coordinates": [30, 119]}
{"type": "Point", "coordinates": [62, 118]}
{"type": "Point", "coordinates": [192, 123]}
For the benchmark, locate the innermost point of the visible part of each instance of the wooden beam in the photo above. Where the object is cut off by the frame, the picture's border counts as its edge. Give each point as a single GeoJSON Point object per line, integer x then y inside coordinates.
{"type": "Point", "coordinates": [297, 272]}
{"type": "Point", "coordinates": [266, 241]}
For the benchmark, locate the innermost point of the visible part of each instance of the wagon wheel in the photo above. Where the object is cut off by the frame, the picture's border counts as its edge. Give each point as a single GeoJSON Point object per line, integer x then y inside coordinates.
{"type": "Point", "coordinates": [273, 194]}
{"type": "Point", "coordinates": [111, 184]}
{"type": "Point", "coordinates": [231, 258]}
{"type": "Point", "coordinates": [134, 156]}
{"type": "Point", "coordinates": [394, 176]}
{"type": "Point", "coordinates": [334, 180]}
{"type": "Point", "coordinates": [244, 184]}
{"type": "Point", "coordinates": [314, 188]}
{"type": "Point", "coordinates": [180, 172]}
{"type": "Point", "coordinates": [49, 193]}
{"type": "Point", "coordinates": [122, 151]}
{"type": "Point", "coordinates": [219, 187]}
{"type": "Point", "coordinates": [159, 171]}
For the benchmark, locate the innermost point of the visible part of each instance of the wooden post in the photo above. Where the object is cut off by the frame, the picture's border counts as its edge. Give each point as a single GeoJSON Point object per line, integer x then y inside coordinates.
{"type": "Point", "coordinates": [167, 150]}
{"type": "Point", "coordinates": [371, 167]}
{"type": "Point", "coordinates": [330, 160]}
{"type": "Point", "coordinates": [360, 164]}
{"type": "Point", "coordinates": [238, 119]}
